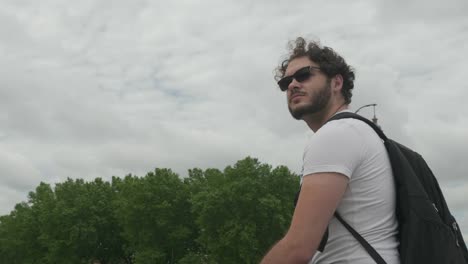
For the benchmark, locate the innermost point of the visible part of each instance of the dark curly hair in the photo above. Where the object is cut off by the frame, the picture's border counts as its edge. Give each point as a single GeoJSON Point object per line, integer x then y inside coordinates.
{"type": "Point", "coordinates": [328, 60]}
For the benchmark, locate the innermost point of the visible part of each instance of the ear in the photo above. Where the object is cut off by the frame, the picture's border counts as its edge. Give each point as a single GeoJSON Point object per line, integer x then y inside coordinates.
{"type": "Point", "coordinates": [337, 83]}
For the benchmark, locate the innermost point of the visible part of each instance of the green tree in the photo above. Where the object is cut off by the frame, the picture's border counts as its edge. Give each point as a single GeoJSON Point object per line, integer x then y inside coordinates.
{"type": "Point", "coordinates": [210, 217]}
{"type": "Point", "coordinates": [18, 237]}
{"type": "Point", "coordinates": [154, 213]}
{"type": "Point", "coordinates": [242, 213]}
{"type": "Point", "coordinates": [77, 222]}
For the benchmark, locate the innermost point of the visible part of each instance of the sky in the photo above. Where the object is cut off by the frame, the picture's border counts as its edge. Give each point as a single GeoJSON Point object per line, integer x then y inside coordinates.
{"type": "Point", "coordinates": [106, 88]}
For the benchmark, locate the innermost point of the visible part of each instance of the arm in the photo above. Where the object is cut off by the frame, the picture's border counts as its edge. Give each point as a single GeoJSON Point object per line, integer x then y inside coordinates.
{"type": "Point", "coordinates": [320, 195]}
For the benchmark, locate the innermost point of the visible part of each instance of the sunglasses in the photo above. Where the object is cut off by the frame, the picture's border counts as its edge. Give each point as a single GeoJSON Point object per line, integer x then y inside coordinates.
{"type": "Point", "coordinates": [300, 75]}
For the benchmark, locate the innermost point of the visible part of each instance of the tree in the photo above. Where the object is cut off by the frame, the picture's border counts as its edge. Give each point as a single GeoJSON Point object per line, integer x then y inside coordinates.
{"type": "Point", "coordinates": [18, 237]}
{"type": "Point", "coordinates": [154, 213]}
{"type": "Point", "coordinates": [77, 222]}
{"type": "Point", "coordinates": [242, 213]}
{"type": "Point", "coordinates": [213, 216]}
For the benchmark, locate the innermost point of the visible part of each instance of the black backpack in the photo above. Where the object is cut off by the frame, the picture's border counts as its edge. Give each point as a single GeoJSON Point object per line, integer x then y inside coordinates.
{"type": "Point", "coordinates": [428, 233]}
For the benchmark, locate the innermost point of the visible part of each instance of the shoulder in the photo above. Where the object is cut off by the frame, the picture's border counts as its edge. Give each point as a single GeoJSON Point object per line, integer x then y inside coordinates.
{"type": "Point", "coordinates": [339, 146]}
{"type": "Point", "coordinates": [340, 133]}
{"type": "Point", "coordinates": [346, 126]}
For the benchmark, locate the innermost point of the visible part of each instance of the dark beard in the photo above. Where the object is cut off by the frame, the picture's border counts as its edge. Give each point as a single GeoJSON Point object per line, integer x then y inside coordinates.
{"type": "Point", "coordinates": [316, 104]}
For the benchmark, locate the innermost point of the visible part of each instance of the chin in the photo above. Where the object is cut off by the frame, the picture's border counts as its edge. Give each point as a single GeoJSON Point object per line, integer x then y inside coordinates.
{"type": "Point", "coordinates": [298, 112]}
{"type": "Point", "coordinates": [300, 106]}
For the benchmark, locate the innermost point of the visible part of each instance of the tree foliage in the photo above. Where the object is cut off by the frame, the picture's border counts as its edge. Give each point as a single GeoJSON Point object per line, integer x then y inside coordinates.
{"type": "Point", "coordinates": [212, 216]}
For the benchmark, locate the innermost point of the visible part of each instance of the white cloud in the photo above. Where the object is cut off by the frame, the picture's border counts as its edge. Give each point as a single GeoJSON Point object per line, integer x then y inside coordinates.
{"type": "Point", "coordinates": [17, 172]}
{"type": "Point", "coordinates": [8, 196]}
{"type": "Point", "coordinates": [94, 89]}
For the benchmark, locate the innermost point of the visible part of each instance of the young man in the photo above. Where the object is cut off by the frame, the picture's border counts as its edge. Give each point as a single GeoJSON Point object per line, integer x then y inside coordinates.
{"type": "Point", "coordinates": [345, 168]}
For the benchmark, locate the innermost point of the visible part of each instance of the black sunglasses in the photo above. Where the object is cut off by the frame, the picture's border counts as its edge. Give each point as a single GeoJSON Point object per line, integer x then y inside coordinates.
{"type": "Point", "coordinates": [300, 76]}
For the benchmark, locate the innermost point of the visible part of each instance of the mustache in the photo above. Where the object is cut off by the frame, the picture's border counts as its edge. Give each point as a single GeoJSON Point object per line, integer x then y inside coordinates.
{"type": "Point", "coordinates": [295, 92]}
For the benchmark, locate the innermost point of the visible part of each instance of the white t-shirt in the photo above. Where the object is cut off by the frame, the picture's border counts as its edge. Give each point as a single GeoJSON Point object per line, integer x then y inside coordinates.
{"type": "Point", "coordinates": [352, 148]}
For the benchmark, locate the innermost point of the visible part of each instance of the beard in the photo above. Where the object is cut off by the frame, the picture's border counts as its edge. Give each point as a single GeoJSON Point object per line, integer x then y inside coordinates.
{"type": "Point", "coordinates": [318, 101]}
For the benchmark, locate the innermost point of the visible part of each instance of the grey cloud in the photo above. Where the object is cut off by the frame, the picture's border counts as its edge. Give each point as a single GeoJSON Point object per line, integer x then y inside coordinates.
{"type": "Point", "coordinates": [455, 194]}
{"type": "Point", "coordinates": [17, 171]}
{"type": "Point", "coordinates": [412, 10]}
{"type": "Point", "coordinates": [9, 198]}
{"type": "Point", "coordinates": [90, 89]}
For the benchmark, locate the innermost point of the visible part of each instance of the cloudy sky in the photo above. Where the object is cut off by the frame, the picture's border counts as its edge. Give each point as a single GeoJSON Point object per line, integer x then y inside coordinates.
{"type": "Point", "coordinates": [100, 88]}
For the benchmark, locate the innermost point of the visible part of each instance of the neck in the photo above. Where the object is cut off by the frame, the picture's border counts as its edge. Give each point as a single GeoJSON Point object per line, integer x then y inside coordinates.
{"type": "Point", "coordinates": [317, 120]}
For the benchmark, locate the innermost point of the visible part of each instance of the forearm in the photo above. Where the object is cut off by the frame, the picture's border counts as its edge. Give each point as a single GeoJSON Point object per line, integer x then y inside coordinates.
{"type": "Point", "coordinates": [319, 198]}
{"type": "Point", "coordinates": [284, 252]}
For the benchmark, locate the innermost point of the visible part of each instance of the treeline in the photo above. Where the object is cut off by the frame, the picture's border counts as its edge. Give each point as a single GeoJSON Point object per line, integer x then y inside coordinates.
{"type": "Point", "coordinates": [212, 216]}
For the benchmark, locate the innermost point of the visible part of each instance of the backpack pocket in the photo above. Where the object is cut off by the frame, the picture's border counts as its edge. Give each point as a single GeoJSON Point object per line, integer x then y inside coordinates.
{"type": "Point", "coordinates": [426, 238]}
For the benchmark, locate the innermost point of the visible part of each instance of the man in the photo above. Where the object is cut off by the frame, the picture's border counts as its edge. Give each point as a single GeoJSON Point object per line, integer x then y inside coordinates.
{"type": "Point", "coordinates": [345, 168]}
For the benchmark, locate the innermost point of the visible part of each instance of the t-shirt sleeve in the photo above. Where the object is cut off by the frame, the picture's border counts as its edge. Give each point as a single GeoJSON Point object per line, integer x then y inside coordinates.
{"type": "Point", "coordinates": [336, 147]}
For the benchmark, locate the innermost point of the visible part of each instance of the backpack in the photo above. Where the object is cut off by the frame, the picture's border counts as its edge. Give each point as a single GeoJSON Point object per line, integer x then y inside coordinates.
{"type": "Point", "coordinates": [428, 233]}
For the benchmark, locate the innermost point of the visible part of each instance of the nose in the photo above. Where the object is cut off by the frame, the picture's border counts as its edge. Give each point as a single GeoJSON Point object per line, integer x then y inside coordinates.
{"type": "Point", "coordinates": [294, 84]}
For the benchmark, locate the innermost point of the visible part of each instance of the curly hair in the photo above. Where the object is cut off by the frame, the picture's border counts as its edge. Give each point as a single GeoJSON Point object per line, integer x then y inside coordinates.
{"type": "Point", "coordinates": [327, 59]}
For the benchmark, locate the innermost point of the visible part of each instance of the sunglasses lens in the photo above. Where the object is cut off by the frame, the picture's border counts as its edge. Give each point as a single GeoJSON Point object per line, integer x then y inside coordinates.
{"type": "Point", "coordinates": [302, 76]}
{"type": "Point", "coordinates": [284, 83]}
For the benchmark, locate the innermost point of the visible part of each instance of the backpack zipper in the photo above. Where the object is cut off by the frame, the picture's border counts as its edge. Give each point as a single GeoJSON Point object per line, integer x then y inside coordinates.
{"type": "Point", "coordinates": [455, 228]}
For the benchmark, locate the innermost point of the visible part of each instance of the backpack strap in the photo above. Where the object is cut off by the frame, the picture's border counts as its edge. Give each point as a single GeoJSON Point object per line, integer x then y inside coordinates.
{"type": "Point", "coordinates": [377, 129]}
{"type": "Point", "coordinates": [372, 252]}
